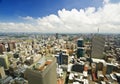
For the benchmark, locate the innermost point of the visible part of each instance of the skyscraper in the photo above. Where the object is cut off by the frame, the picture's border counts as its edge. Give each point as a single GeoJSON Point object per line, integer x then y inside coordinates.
{"type": "Point", "coordinates": [4, 61]}
{"type": "Point", "coordinates": [80, 52]}
{"type": "Point", "coordinates": [62, 58]}
{"type": "Point", "coordinates": [2, 48]}
{"type": "Point", "coordinates": [42, 73]}
{"type": "Point", "coordinates": [80, 49]}
{"type": "Point", "coordinates": [2, 73]}
{"type": "Point", "coordinates": [56, 35]}
{"type": "Point", "coordinates": [11, 46]}
{"type": "Point", "coordinates": [98, 43]}
{"type": "Point", "coordinates": [80, 42]}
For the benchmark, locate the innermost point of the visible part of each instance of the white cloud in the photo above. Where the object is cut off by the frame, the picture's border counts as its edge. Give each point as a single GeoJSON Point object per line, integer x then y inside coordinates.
{"type": "Point", "coordinates": [26, 18]}
{"type": "Point", "coordinates": [87, 20]}
{"type": "Point", "coordinates": [106, 1]}
{"type": "Point", "coordinates": [16, 27]}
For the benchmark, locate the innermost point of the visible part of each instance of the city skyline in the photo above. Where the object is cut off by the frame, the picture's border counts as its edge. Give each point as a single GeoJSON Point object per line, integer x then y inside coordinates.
{"type": "Point", "coordinates": [62, 16]}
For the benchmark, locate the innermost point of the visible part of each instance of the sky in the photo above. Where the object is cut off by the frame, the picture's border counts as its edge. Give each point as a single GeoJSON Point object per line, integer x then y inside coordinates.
{"type": "Point", "coordinates": [60, 16]}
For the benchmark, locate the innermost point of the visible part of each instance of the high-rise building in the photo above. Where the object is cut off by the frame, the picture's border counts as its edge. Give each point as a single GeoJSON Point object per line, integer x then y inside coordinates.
{"type": "Point", "coordinates": [14, 45]}
{"type": "Point", "coordinates": [4, 61]}
{"type": "Point", "coordinates": [56, 35]}
{"type": "Point", "coordinates": [11, 46]}
{"type": "Point", "coordinates": [62, 58]}
{"type": "Point", "coordinates": [2, 48]}
{"type": "Point", "coordinates": [80, 52]}
{"type": "Point", "coordinates": [42, 72]}
{"type": "Point", "coordinates": [2, 73]}
{"type": "Point", "coordinates": [80, 42]}
{"type": "Point", "coordinates": [98, 43]}
{"type": "Point", "coordinates": [80, 49]}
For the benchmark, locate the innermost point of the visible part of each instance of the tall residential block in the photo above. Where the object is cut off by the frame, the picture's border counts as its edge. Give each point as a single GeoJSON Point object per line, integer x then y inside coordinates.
{"type": "Point", "coordinates": [43, 72]}
{"type": "Point", "coordinates": [2, 73]}
{"type": "Point", "coordinates": [4, 61]}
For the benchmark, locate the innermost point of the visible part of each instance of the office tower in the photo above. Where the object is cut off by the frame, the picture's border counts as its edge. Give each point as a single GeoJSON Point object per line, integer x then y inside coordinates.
{"type": "Point", "coordinates": [43, 72]}
{"type": "Point", "coordinates": [80, 49]}
{"type": "Point", "coordinates": [4, 61]}
{"type": "Point", "coordinates": [80, 52]}
{"type": "Point", "coordinates": [2, 48]}
{"type": "Point", "coordinates": [80, 42]}
{"type": "Point", "coordinates": [62, 58]}
{"type": "Point", "coordinates": [56, 35]}
{"type": "Point", "coordinates": [11, 46]}
{"type": "Point", "coordinates": [98, 43]}
{"type": "Point", "coordinates": [2, 73]}
{"type": "Point", "coordinates": [93, 71]}
{"type": "Point", "coordinates": [14, 45]}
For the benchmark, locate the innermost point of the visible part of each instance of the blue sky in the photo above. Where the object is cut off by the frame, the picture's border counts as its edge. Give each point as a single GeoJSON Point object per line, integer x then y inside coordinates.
{"type": "Point", "coordinates": [59, 15]}
{"type": "Point", "coordinates": [10, 9]}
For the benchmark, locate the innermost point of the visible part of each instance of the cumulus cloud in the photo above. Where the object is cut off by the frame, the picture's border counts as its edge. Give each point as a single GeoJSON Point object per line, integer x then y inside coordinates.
{"type": "Point", "coordinates": [106, 1]}
{"type": "Point", "coordinates": [87, 20]}
{"type": "Point", "coordinates": [26, 18]}
{"type": "Point", "coordinates": [16, 27]}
